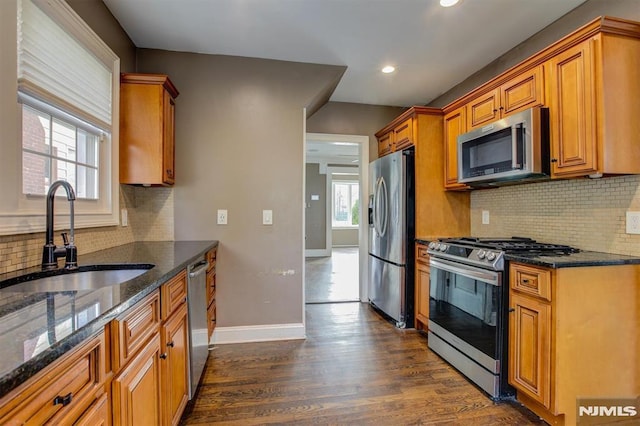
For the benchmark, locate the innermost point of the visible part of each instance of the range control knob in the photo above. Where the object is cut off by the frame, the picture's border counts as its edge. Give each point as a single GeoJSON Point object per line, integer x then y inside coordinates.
{"type": "Point", "coordinates": [437, 247]}
{"type": "Point", "coordinates": [481, 254]}
{"type": "Point", "coordinates": [432, 245]}
{"type": "Point", "coordinates": [491, 256]}
{"type": "Point", "coordinates": [443, 247]}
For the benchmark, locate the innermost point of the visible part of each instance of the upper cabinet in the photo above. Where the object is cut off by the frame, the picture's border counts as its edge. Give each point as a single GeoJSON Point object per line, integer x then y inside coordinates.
{"type": "Point", "coordinates": [147, 129]}
{"type": "Point", "coordinates": [589, 82]}
{"type": "Point", "coordinates": [519, 93]}
{"type": "Point", "coordinates": [454, 125]}
{"type": "Point", "coordinates": [397, 136]}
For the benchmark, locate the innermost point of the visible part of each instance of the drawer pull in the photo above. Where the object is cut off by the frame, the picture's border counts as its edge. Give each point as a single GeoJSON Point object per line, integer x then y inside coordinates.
{"type": "Point", "coordinates": [64, 400]}
{"type": "Point", "coordinates": [163, 356]}
{"type": "Point", "coordinates": [525, 281]}
{"type": "Point", "coordinates": [512, 310]}
{"type": "Point", "coordinates": [170, 344]}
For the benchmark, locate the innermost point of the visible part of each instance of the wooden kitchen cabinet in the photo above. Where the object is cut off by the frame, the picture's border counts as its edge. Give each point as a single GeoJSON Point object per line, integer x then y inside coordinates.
{"type": "Point", "coordinates": [397, 137]}
{"type": "Point", "coordinates": [174, 364]}
{"type": "Point", "coordinates": [523, 91]}
{"type": "Point", "coordinates": [137, 399]}
{"type": "Point", "coordinates": [62, 393]}
{"type": "Point", "coordinates": [421, 287]}
{"type": "Point", "coordinates": [211, 290]}
{"type": "Point", "coordinates": [147, 129]}
{"type": "Point", "coordinates": [569, 336]}
{"type": "Point", "coordinates": [385, 144]}
{"type": "Point", "coordinates": [454, 125]}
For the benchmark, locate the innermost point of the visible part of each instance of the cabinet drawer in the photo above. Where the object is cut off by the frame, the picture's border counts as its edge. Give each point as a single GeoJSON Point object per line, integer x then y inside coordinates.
{"type": "Point", "coordinates": [211, 258]}
{"type": "Point", "coordinates": [530, 280]}
{"type": "Point", "coordinates": [62, 392]}
{"type": "Point", "coordinates": [96, 415]}
{"type": "Point", "coordinates": [174, 294]}
{"type": "Point", "coordinates": [403, 134]}
{"type": "Point", "coordinates": [211, 316]}
{"type": "Point", "coordinates": [421, 254]}
{"type": "Point", "coordinates": [131, 332]}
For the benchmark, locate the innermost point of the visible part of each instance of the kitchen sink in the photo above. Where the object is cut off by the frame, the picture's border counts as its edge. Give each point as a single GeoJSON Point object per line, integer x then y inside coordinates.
{"type": "Point", "coordinates": [90, 277]}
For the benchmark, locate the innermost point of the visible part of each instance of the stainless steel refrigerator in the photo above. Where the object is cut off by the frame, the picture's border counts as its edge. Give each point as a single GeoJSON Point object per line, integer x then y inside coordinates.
{"type": "Point", "coordinates": [391, 236]}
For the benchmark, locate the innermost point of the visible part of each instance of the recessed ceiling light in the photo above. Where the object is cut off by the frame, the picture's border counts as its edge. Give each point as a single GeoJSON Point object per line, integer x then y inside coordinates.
{"type": "Point", "coordinates": [448, 3]}
{"type": "Point", "coordinates": [388, 69]}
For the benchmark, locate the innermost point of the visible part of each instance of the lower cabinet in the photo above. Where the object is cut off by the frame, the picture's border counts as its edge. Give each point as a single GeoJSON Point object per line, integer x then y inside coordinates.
{"type": "Point", "coordinates": [63, 392]}
{"type": "Point", "coordinates": [572, 335]}
{"type": "Point", "coordinates": [136, 389]}
{"type": "Point", "coordinates": [174, 365]}
{"type": "Point", "coordinates": [422, 287]}
{"type": "Point", "coordinates": [97, 414]}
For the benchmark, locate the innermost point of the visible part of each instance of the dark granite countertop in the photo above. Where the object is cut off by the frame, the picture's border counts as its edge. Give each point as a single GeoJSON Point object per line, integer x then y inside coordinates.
{"type": "Point", "coordinates": [583, 258]}
{"type": "Point", "coordinates": [37, 326]}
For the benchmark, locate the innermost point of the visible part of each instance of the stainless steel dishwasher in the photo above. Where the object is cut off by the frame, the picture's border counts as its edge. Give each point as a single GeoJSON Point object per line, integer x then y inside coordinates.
{"type": "Point", "coordinates": [198, 331]}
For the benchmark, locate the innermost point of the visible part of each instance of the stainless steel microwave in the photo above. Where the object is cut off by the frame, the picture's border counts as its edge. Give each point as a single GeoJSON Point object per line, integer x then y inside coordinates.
{"type": "Point", "coordinates": [510, 150]}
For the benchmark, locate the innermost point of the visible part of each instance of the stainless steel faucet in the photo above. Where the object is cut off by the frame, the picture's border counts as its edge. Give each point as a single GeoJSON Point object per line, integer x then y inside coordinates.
{"type": "Point", "coordinates": [50, 253]}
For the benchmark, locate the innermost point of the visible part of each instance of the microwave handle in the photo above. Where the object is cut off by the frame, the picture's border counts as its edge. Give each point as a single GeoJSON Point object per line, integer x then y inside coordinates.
{"type": "Point", "coordinates": [517, 131]}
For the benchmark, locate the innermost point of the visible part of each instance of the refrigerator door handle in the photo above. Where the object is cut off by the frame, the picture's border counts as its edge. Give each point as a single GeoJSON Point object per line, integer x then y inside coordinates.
{"type": "Point", "coordinates": [384, 207]}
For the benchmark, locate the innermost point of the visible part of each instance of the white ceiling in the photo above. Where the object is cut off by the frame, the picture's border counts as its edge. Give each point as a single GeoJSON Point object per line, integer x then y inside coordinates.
{"type": "Point", "coordinates": [433, 48]}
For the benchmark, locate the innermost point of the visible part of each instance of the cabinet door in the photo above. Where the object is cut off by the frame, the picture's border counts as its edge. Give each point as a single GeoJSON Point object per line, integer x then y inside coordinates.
{"type": "Point", "coordinates": [572, 112]}
{"type": "Point", "coordinates": [422, 295]}
{"type": "Point", "coordinates": [136, 390]}
{"type": "Point", "coordinates": [385, 144]}
{"type": "Point", "coordinates": [454, 125]}
{"type": "Point", "coordinates": [530, 347]}
{"type": "Point", "coordinates": [522, 92]}
{"type": "Point", "coordinates": [168, 140]}
{"type": "Point", "coordinates": [403, 134]}
{"type": "Point", "coordinates": [483, 110]}
{"type": "Point", "coordinates": [174, 364]}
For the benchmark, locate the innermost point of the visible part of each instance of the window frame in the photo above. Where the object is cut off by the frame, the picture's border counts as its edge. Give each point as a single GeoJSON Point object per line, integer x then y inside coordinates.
{"type": "Point", "coordinates": [19, 213]}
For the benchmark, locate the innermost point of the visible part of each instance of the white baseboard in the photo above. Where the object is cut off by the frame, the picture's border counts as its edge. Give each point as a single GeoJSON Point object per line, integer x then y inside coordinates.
{"type": "Point", "coordinates": [257, 333]}
{"type": "Point", "coordinates": [317, 253]}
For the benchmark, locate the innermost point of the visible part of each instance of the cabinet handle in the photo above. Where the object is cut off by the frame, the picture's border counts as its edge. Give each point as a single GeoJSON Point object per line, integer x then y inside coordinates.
{"type": "Point", "coordinates": [169, 172]}
{"type": "Point", "coordinates": [64, 400]}
{"type": "Point", "coordinates": [163, 356]}
{"type": "Point", "coordinates": [171, 344]}
{"type": "Point", "coordinates": [524, 281]}
{"type": "Point", "coordinates": [512, 310]}
{"type": "Point", "coordinates": [213, 320]}
{"type": "Point", "coordinates": [501, 108]}
{"type": "Point", "coordinates": [554, 160]}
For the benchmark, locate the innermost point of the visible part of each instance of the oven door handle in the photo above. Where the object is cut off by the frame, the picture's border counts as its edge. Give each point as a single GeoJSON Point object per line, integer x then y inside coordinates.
{"type": "Point", "coordinates": [489, 277]}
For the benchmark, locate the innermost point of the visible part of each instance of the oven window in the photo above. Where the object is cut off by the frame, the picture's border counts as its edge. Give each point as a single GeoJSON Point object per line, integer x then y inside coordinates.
{"type": "Point", "coordinates": [467, 308]}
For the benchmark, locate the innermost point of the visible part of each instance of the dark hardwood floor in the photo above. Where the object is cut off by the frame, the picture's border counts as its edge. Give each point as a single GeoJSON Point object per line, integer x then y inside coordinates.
{"type": "Point", "coordinates": [354, 368]}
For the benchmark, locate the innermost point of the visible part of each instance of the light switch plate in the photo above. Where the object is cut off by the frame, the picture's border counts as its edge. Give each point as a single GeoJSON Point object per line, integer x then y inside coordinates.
{"type": "Point", "coordinates": [267, 217]}
{"type": "Point", "coordinates": [222, 217]}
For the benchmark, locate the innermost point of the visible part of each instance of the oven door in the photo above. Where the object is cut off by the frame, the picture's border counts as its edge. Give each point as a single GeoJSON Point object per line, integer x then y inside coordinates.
{"type": "Point", "coordinates": [465, 305]}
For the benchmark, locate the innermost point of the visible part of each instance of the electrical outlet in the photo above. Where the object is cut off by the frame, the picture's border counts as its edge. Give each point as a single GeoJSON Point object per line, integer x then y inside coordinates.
{"type": "Point", "coordinates": [124, 217]}
{"type": "Point", "coordinates": [222, 217]}
{"type": "Point", "coordinates": [633, 222]}
{"type": "Point", "coordinates": [485, 217]}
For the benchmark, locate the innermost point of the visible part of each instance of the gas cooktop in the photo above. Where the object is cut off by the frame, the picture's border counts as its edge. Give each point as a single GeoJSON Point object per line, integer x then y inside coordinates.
{"type": "Point", "coordinates": [489, 252]}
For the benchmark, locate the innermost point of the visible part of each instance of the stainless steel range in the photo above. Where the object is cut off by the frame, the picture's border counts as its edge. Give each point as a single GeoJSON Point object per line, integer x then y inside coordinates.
{"type": "Point", "coordinates": [468, 304]}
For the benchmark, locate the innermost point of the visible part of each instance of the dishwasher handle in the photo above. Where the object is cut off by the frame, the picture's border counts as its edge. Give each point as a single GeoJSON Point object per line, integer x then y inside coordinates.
{"type": "Point", "coordinates": [198, 268]}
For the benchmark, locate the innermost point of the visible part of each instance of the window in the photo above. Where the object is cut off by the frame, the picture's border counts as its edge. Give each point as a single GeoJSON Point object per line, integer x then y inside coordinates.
{"type": "Point", "coordinates": [53, 149]}
{"type": "Point", "coordinates": [346, 204]}
{"type": "Point", "coordinates": [66, 124]}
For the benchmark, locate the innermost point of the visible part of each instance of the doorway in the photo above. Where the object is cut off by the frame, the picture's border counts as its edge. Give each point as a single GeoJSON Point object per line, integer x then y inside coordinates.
{"type": "Point", "coordinates": [336, 220]}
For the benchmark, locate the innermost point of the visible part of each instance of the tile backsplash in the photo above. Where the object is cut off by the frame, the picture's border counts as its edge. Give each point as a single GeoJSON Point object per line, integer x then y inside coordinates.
{"type": "Point", "coordinates": [589, 214]}
{"type": "Point", "coordinates": [150, 212]}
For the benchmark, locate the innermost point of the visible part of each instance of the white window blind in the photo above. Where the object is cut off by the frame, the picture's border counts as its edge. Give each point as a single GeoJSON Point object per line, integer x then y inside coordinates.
{"type": "Point", "coordinates": [57, 69]}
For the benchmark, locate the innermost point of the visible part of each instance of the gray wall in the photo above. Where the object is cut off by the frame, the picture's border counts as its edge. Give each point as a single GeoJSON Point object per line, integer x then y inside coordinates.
{"type": "Point", "coordinates": [315, 210]}
{"type": "Point", "coordinates": [239, 146]}
{"type": "Point", "coordinates": [627, 9]}
{"type": "Point", "coordinates": [353, 119]}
